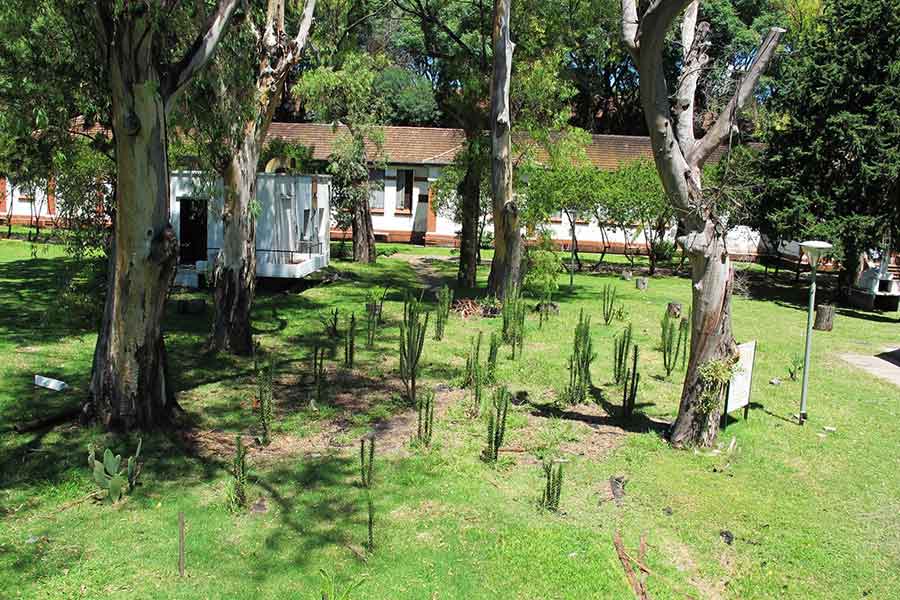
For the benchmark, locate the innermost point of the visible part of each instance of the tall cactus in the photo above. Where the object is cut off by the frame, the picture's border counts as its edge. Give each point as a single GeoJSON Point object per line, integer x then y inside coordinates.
{"type": "Point", "coordinates": [580, 362]}
{"type": "Point", "coordinates": [412, 340]}
{"type": "Point", "coordinates": [552, 485]}
{"type": "Point", "coordinates": [350, 342]}
{"type": "Point", "coordinates": [496, 430]}
{"type": "Point", "coordinates": [425, 418]}
{"type": "Point", "coordinates": [620, 354]}
{"type": "Point", "coordinates": [609, 303]}
{"type": "Point", "coordinates": [629, 390]}
{"type": "Point", "coordinates": [445, 299]}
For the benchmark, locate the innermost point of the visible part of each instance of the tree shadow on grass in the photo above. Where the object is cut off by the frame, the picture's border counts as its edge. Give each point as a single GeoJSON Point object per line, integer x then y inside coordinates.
{"type": "Point", "coordinates": [317, 506]}
{"type": "Point", "coordinates": [637, 423]}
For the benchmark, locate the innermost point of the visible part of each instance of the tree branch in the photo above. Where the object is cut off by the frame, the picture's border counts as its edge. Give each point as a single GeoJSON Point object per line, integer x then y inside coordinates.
{"type": "Point", "coordinates": [720, 131]}
{"type": "Point", "coordinates": [630, 28]}
{"type": "Point", "coordinates": [692, 43]}
{"type": "Point", "coordinates": [200, 51]}
{"type": "Point", "coordinates": [299, 42]}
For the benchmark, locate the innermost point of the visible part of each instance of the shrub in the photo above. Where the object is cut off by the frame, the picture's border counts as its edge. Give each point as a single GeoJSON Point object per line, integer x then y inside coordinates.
{"type": "Point", "coordinates": [412, 340]}
{"type": "Point", "coordinates": [445, 299]}
{"type": "Point", "coordinates": [543, 270]}
{"type": "Point", "coordinates": [496, 429]}
{"type": "Point", "coordinates": [552, 485]}
{"type": "Point", "coordinates": [580, 362]}
{"type": "Point", "coordinates": [425, 418]}
{"type": "Point", "coordinates": [111, 476]}
{"type": "Point", "coordinates": [795, 367]}
{"type": "Point", "coordinates": [621, 346]}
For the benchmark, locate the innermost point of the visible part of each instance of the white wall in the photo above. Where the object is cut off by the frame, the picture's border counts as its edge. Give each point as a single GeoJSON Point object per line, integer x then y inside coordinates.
{"type": "Point", "coordinates": [40, 207]}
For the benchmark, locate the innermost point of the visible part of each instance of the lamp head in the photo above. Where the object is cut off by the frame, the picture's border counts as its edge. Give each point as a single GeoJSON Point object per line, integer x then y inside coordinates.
{"type": "Point", "coordinates": [815, 249]}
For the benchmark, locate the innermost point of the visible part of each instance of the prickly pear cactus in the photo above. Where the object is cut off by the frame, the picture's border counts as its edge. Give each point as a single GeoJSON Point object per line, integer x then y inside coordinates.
{"type": "Point", "coordinates": [110, 476]}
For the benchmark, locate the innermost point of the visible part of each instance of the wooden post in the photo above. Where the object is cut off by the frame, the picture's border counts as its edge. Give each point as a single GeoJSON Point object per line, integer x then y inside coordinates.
{"type": "Point", "coordinates": [824, 318]}
{"type": "Point", "coordinates": [181, 544]}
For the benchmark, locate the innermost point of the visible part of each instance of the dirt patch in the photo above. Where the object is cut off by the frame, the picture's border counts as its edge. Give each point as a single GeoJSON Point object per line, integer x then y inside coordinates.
{"type": "Point", "coordinates": [427, 268]}
{"type": "Point", "coordinates": [393, 434]}
{"type": "Point", "coordinates": [680, 556]}
{"type": "Point", "coordinates": [215, 444]}
{"type": "Point", "coordinates": [596, 434]}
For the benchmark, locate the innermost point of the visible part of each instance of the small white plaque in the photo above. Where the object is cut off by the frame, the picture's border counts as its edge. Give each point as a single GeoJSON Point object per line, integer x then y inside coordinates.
{"type": "Point", "coordinates": [50, 383]}
{"type": "Point", "coordinates": [739, 388]}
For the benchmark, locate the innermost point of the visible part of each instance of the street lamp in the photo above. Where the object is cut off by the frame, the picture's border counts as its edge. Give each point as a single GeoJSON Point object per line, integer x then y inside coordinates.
{"type": "Point", "coordinates": [814, 250]}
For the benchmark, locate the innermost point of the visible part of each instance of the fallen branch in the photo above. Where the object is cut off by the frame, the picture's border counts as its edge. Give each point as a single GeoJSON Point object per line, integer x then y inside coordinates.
{"type": "Point", "coordinates": [46, 422]}
{"type": "Point", "coordinates": [637, 586]}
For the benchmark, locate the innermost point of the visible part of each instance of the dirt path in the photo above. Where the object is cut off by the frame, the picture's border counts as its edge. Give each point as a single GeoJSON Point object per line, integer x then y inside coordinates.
{"type": "Point", "coordinates": [884, 366]}
{"type": "Point", "coordinates": [426, 268]}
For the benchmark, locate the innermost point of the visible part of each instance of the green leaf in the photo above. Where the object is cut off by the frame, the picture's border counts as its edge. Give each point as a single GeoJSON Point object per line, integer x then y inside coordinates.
{"type": "Point", "coordinates": [100, 475]}
{"type": "Point", "coordinates": [116, 488]}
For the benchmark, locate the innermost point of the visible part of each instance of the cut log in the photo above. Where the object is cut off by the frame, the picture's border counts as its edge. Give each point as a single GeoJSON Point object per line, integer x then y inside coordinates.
{"type": "Point", "coordinates": [626, 274]}
{"type": "Point", "coordinates": [641, 283]}
{"type": "Point", "coordinates": [824, 317]}
{"type": "Point", "coordinates": [674, 310]}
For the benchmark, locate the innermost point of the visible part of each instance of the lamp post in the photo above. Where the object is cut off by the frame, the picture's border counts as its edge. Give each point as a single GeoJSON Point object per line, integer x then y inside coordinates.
{"type": "Point", "coordinates": [814, 250]}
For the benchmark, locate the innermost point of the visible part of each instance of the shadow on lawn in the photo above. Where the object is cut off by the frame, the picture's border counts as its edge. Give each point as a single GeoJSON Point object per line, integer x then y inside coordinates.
{"type": "Point", "coordinates": [638, 423]}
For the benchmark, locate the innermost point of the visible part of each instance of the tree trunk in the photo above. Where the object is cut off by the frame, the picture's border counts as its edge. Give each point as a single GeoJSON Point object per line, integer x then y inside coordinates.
{"type": "Point", "coordinates": [129, 386]}
{"type": "Point", "coordinates": [711, 340]}
{"type": "Point", "coordinates": [505, 268]}
{"type": "Point", "coordinates": [235, 274]}
{"type": "Point", "coordinates": [363, 231]}
{"type": "Point", "coordinates": [470, 192]}
{"type": "Point", "coordinates": [824, 317]}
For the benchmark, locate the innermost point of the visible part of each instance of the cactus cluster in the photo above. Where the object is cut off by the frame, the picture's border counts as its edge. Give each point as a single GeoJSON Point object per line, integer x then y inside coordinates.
{"type": "Point", "coordinates": [553, 473]}
{"type": "Point", "coordinates": [496, 429]}
{"type": "Point", "coordinates": [580, 362]}
{"type": "Point", "coordinates": [110, 474]}
{"type": "Point", "coordinates": [445, 299]}
{"type": "Point", "coordinates": [629, 390]}
{"type": "Point", "coordinates": [608, 297]}
{"type": "Point", "coordinates": [350, 342]}
{"type": "Point", "coordinates": [621, 345]}
{"type": "Point", "coordinates": [412, 340]}
{"type": "Point", "coordinates": [425, 418]}
{"type": "Point", "coordinates": [264, 402]}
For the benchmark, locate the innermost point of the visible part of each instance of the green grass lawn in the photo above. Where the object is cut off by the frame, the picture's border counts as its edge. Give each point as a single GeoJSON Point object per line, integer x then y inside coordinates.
{"type": "Point", "coordinates": [813, 514]}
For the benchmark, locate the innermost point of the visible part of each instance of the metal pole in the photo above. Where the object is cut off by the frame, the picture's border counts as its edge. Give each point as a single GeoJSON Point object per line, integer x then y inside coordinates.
{"type": "Point", "coordinates": [809, 324]}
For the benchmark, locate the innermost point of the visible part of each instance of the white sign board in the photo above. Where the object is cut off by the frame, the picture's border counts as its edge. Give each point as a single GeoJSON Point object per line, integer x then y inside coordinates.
{"type": "Point", "coordinates": [738, 395]}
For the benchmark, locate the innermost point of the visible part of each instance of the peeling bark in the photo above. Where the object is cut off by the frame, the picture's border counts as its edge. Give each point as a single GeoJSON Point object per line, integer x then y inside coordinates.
{"type": "Point", "coordinates": [235, 274]}
{"type": "Point", "coordinates": [679, 158]}
{"type": "Point", "coordinates": [129, 385]}
{"type": "Point", "coordinates": [506, 265]}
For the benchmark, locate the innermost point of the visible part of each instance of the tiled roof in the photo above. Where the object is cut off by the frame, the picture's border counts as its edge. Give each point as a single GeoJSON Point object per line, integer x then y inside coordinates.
{"type": "Point", "coordinates": [436, 146]}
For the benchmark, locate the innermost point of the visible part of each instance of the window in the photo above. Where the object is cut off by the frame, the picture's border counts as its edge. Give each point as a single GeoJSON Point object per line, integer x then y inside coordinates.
{"type": "Point", "coordinates": [404, 189]}
{"type": "Point", "coordinates": [376, 192]}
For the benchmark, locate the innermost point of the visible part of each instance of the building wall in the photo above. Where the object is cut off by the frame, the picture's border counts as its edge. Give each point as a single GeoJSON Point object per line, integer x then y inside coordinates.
{"type": "Point", "coordinates": [24, 205]}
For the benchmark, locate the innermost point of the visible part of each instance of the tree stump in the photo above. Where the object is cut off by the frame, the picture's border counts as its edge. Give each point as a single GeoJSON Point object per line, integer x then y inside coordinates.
{"type": "Point", "coordinates": [626, 274]}
{"type": "Point", "coordinates": [824, 318]}
{"type": "Point", "coordinates": [641, 283]}
{"type": "Point", "coordinates": [674, 310]}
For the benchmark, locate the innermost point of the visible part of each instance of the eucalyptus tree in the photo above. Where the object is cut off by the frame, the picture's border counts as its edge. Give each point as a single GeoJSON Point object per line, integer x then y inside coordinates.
{"type": "Point", "coordinates": [346, 95]}
{"type": "Point", "coordinates": [229, 111]}
{"type": "Point", "coordinates": [679, 156]}
{"type": "Point", "coordinates": [123, 64]}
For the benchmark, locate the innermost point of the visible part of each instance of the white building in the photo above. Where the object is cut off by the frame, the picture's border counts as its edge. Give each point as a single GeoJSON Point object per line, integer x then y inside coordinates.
{"type": "Point", "coordinates": [402, 211]}
{"type": "Point", "coordinates": [292, 225]}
